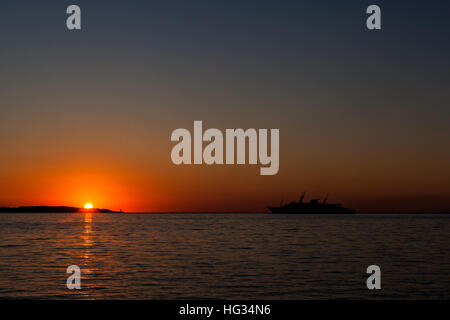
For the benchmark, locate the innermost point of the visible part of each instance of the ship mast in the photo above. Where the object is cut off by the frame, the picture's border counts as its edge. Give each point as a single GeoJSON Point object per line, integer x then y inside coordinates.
{"type": "Point", "coordinates": [301, 197]}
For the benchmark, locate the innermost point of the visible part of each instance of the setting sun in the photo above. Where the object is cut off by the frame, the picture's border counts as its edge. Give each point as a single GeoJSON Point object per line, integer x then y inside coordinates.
{"type": "Point", "coordinates": [88, 206]}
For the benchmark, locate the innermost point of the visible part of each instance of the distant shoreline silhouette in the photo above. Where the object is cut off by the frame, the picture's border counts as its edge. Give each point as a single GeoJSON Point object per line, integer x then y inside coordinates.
{"type": "Point", "coordinates": [68, 209]}
{"type": "Point", "coordinates": [53, 209]}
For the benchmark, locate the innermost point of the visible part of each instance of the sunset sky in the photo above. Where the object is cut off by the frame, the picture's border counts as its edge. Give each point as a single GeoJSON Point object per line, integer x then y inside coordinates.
{"type": "Point", "coordinates": [86, 116]}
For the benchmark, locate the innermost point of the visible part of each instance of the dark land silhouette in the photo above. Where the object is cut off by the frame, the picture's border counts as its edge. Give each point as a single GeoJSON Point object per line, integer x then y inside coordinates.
{"type": "Point", "coordinates": [52, 209]}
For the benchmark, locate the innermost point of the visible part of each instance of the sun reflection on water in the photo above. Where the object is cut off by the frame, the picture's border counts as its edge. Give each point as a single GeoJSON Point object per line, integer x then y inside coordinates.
{"type": "Point", "coordinates": [87, 234]}
{"type": "Point", "coordinates": [86, 254]}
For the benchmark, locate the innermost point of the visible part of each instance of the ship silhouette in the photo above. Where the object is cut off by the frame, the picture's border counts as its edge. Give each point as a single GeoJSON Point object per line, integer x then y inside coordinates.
{"type": "Point", "coordinates": [314, 206]}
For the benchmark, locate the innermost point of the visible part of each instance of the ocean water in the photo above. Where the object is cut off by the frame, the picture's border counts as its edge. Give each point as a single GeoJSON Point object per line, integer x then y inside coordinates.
{"type": "Point", "coordinates": [226, 256]}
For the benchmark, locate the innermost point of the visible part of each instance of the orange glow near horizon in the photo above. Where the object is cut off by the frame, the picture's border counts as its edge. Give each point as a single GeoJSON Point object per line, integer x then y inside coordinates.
{"type": "Point", "coordinates": [134, 186]}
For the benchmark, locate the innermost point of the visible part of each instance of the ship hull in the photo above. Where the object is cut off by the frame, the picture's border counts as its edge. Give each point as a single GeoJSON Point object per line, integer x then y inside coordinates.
{"type": "Point", "coordinates": [281, 210]}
